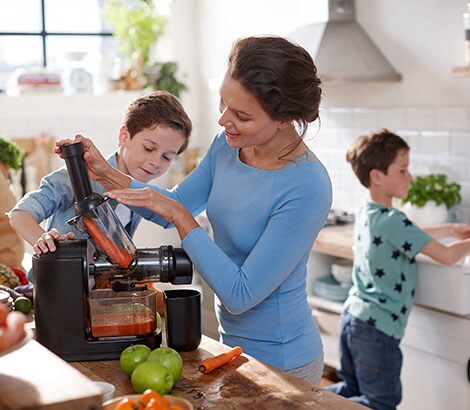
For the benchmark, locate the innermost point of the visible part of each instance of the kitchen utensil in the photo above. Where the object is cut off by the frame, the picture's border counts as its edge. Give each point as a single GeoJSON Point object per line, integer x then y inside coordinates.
{"type": "Point", "coordinates": [183, 319]}
{"type": "Point", "coordinates": [107, 390]}
{"type": "Point", "coordinates": [74, 320]}
{"type": "Point", "coordinates": [328, 288]}
{"type": "Point", "coordinates": [341, 270]}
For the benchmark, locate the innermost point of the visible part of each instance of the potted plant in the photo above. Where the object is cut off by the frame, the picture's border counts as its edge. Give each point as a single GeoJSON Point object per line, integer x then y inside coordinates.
{"type": "Point", "coordinates": [138, 26]}
{"type": "Point", "coordinates": [429, 199]}
{"type": "Point", "coordinates": [11, 156]}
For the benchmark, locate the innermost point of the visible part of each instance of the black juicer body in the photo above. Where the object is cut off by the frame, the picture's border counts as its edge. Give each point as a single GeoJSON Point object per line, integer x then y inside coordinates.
{"type": "Point", "coordinates": [62, 282]}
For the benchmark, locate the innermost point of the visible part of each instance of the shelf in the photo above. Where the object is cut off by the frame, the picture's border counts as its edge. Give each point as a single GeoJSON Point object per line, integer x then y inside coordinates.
{"type": "Point", "coordinates": [325, 304]}
{"type": "Point", "coordinates": [461, 72]}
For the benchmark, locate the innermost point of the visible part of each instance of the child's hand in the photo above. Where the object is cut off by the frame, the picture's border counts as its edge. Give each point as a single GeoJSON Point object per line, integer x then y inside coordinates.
{"type": "Point", "coordinates": [46, 241]}
{"type": "Point", "coordinates": [96, 163]}
{"type": "Point", "coordinates": [461, 231]}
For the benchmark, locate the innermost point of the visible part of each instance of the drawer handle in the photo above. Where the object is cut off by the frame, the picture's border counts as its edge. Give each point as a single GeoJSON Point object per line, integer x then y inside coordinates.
{"type": "Point", "coordinates": [468, 370]}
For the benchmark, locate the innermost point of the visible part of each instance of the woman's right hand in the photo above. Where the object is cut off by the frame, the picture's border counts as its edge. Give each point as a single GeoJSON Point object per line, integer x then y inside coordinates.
{"type": "Point", "coordinates": [96, 163]}
{"type": "Point", "coordinates": [46, 241]}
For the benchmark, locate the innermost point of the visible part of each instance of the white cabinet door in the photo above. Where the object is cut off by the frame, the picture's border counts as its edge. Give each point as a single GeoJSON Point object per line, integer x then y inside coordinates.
{"type": "Point", "coordinates": [433, 383]}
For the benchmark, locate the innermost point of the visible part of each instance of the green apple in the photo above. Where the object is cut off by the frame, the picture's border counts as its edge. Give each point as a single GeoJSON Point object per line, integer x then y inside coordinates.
{"type": "Point", "coordinates": [132, 356]}
{"type": "Point", "coordinates": [152, 375]}
{"type": "Point", "coordinates": [169, 358]}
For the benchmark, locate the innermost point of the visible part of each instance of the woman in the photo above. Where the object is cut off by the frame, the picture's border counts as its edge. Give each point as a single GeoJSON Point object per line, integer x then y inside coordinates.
{"type": "Point", "coordinates": [266, 196]}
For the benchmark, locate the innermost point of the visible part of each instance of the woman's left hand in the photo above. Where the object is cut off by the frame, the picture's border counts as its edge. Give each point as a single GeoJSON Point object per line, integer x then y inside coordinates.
{"type": "Point", "coordinates": [169, 209]}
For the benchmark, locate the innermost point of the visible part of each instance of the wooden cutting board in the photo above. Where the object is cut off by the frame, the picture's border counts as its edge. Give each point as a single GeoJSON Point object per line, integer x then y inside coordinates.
{"type": "Point", "coordinates": [33, 377]}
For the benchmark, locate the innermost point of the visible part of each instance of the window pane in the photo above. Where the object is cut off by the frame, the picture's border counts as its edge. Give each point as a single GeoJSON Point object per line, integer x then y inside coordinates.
{"type": "Point", "coordinates": [20, 15]}
{"type": "Point", "coordinates": [60, 47]}
{"type": "Point", "coordinates": [84, 16]}
{"type": "Point", "coordinates": [92, 57]}
{"type": "Point", "coordinates": [18, 52]}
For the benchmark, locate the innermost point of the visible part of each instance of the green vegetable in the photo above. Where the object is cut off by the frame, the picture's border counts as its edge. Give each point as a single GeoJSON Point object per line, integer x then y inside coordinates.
{"type": "Point", "coordinates": [23, 304]}
{"type": "Point", "coordinates": [433, 187]}
{"type": "Point", "coordinates": [10, 154]}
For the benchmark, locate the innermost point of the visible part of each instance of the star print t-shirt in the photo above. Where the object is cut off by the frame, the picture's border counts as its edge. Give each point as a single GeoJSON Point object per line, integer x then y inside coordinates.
{"type": "Point", "coordinates": [384, 272]}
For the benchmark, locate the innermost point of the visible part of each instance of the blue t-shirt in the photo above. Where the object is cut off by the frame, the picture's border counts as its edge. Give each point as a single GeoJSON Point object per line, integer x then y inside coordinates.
{"type": "Point", "coordinates": [384, 272]}
{"type": "Point", "coordinates": [264, 224]}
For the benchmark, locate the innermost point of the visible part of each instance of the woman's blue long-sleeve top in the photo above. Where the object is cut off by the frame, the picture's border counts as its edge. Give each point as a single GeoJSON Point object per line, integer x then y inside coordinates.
{"type": "Point", "coordinates": [264, 225]}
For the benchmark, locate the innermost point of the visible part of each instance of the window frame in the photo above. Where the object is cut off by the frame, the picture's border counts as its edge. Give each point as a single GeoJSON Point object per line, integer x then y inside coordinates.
{"type": "Point", "coordinates": [44, 33]}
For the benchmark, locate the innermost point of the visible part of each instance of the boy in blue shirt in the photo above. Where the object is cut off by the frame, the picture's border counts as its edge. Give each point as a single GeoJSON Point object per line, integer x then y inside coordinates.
{"type": "Point", "coordinates": [156, 128]}
{"type": "Point", "coordinates": [384, 272]}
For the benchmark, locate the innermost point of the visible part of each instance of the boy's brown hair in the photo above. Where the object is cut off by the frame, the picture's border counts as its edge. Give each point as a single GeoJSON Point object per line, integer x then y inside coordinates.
{"type": "Point", "coordinates": [374, 151]}
{"type": "Point", "coordinates": [157, 108]}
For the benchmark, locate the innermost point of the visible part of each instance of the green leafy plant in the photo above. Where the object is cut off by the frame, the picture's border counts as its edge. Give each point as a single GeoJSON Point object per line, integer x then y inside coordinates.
{"type": "Point", "coordinates": [136, 25]}
{"type": "Point", "coordinates": [433, 187]}
{"type": "Point", "coordinates": [11, 155]}
{"type": "Point", "coordinates": [162, 76]}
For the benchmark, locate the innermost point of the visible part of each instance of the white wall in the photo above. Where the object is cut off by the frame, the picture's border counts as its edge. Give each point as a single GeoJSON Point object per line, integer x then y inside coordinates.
{"type": "Point", "coordinates": [423, 39]}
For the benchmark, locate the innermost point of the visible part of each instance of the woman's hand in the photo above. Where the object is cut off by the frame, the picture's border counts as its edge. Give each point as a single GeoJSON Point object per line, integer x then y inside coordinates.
{"type": "Point", "coordinates": [96, 163]}
{"type": "Point", "coordinates": [46, 241]}
{"type": "Point", "coordinates": [146, 198]}
{"type": "Point", "coordinates": [169, 209]}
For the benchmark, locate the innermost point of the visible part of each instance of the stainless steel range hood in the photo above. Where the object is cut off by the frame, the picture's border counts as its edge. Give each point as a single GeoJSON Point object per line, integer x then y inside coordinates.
{"type": "Point", "coordinates": [341, 49]}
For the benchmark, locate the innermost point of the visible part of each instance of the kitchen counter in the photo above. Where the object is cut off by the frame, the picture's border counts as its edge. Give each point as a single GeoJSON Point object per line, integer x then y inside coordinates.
{"type": "Point", "coordinates": [244, 383]}
{"type": "Point", "coordinates": [438, 286]}
{"type": "Point", "coordinates": [335, 240]}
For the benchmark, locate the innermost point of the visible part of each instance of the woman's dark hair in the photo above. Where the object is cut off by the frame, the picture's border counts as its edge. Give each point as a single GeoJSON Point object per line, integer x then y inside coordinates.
{"type": "Point", "coordinates": [281, 75]}
{"type": "Point", "coordinates": [157, 108]}
{"type": "Point", "coordinates": [374, 151]}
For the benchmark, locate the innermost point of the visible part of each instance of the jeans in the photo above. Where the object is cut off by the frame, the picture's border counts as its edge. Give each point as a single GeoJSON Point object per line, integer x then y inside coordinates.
{"type": "Point", "coordinates": [371, 364]}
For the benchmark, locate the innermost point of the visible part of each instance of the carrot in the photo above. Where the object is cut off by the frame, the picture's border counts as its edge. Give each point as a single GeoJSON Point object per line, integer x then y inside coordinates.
{"type": "Point", "coordinates": [117, 255]}
{"type": "Point", "coordinates": [212, 363]}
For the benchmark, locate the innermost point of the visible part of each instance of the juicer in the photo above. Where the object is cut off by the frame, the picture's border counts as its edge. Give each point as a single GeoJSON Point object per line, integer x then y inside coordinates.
{"type": "Point", "coordinates": [78, 322]}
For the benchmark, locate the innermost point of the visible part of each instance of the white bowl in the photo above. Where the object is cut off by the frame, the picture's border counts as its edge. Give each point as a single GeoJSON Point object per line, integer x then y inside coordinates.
{"type": "Point", "coordinates": [341, 269]}
{"type": "Point", "coordinates": [107, 390]}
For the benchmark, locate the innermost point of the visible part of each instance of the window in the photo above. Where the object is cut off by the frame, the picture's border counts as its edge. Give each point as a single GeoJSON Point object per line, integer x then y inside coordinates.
{"type": "Point", "coordinates": [54, 34]}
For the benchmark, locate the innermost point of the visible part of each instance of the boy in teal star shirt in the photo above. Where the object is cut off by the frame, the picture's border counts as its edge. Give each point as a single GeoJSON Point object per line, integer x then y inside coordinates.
{"type": "Point", "coordinates": [384, 273]}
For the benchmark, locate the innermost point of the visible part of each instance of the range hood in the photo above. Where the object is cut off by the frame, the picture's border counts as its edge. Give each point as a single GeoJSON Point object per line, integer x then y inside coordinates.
{"type": "Point", "coordinates": [342, 51]}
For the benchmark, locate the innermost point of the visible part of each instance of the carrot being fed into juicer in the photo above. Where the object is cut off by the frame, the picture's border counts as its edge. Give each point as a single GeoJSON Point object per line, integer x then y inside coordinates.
{"type": "Point", "coordinates": [117, 255]}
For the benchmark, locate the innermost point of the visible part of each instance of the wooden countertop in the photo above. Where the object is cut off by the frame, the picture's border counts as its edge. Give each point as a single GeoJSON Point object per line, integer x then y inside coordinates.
{"type": "Point", "coordinates": [336, 240]}
{"type": "Point", "coordinates": [245, 383]}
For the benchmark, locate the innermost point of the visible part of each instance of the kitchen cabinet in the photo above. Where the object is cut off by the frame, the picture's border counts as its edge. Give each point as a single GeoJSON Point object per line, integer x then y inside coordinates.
{"type": "Point", "coordinates": [436, 345]}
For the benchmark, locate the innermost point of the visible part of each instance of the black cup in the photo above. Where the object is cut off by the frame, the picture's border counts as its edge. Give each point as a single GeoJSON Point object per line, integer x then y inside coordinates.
{"type": "Point", "coordinates": [183, 319]}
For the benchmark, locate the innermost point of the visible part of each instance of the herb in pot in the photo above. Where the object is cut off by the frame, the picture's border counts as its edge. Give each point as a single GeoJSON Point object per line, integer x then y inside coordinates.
{"type": "Point", "coordinates": [11, 155]}
{"type": "Point", "coordinates": [433, 187]}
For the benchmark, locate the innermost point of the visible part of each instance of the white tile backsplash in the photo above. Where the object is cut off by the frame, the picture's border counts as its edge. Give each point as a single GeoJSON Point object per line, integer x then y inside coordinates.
{"type": "Point", "coordinates": [420, 118]}
{"type": "Point", "coordinates": [439, 138]}
{"type": "Point", "coordinates": [451, 118]}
